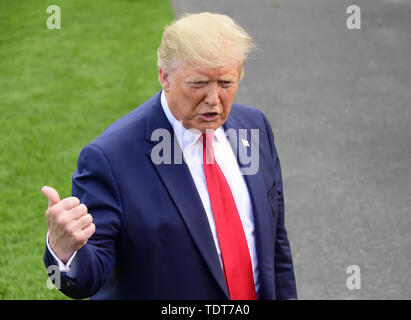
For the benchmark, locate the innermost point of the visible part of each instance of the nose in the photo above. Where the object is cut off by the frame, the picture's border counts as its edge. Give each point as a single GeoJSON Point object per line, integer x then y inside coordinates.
{"type": "Point", "coordinates": [212, 97]}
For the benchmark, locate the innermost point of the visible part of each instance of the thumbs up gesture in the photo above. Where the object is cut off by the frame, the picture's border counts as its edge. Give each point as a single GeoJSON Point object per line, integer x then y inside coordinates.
{"type": "Point", "coordinates": [69, 224]}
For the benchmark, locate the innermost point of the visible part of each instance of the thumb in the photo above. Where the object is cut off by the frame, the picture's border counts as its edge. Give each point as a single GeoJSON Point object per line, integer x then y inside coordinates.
{"type": "Point", "coordinates": [51, 194]}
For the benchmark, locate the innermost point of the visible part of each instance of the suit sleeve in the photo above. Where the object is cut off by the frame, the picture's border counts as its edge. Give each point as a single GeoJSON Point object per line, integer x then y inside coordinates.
{"type": "Point", "coordinates": [284, 270]}
{"type": "Point", "coordinates": [94, 184]}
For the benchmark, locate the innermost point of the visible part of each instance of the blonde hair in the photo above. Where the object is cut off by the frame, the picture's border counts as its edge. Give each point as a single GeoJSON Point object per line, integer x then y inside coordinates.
{"type": "Point", "coordinates": [208, 39]}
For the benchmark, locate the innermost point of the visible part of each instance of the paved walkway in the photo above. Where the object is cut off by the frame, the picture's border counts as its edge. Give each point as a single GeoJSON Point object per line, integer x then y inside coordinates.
{"type": "Point", "coordinates": [339, 102]}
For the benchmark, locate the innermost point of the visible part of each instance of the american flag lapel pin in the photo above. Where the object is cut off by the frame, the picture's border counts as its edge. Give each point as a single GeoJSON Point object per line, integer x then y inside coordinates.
{"type": "Point", "coordinates": [245, 143]}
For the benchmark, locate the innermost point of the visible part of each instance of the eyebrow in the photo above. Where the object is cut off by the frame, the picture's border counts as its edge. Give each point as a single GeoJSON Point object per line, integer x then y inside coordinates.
{"type": "Point", "coordinates": [204, 80]}
{"type": "Point", "coordinates": [198, 80]}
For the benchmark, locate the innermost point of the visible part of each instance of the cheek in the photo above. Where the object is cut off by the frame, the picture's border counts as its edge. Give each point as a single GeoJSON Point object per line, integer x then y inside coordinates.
{"type": "Point", "coordinates": [227, 109]}
{"type": "Point", "coordinates": [190, 104]}
{"type": "Point", "coordinates": [188, 93]}
{"type": "Point", "coordinates": [194, 99]}
{"type": "Point", "coordinates": [227, 101]}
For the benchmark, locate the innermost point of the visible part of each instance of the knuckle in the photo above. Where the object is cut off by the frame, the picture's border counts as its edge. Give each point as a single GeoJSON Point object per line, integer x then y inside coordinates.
{"type": "Point", "coordinates": [70, 202]}
{"type": "Point", "coordinates": [78, 238]}
{"type": "Point", "coordinates": [55, 212]}
{"type": "Point", "coordinates": [80, 210]}
{"type": "Point", "coordinates": [87, 219]}
{"type": "Point", "coordinates": [70, 228]}
{"type": "Point", "coordinates": [62, 219]}
{"type": "Point", "coordinates": [83, 208]}
{"type": "Point", "coordinates": [89, 231]}
{"type": "Point", "coordinates": [51, 211]}
{"type": "Point", "coordinates": [74, 200]}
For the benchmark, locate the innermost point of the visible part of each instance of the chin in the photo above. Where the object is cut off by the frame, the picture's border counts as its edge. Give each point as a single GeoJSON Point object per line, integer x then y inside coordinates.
{"type": "Point", "coordinates": [209, 126]}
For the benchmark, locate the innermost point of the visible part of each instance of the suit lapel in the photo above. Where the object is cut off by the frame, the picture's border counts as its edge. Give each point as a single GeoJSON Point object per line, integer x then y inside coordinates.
{"type": "Point", "coordinates": [187, 200]}
{"type": "Point", "coordinates": [264, 235]}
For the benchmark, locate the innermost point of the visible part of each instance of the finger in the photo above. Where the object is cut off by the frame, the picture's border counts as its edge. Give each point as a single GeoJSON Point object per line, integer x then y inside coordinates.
{"type": "Point", "coordinates": [84, 222]}
{"type": "Point", "coordinates": [77, 211]}
{"type": "Point", "coordinates": [69, 203]}
{"type": "Point", "coordinates": [51, 194]}
{"type": "Point", "coordinates": [89, 231]}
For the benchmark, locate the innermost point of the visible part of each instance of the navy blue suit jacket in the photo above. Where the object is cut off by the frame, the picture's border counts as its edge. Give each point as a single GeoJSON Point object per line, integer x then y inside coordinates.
{"type": "Point", "coordinates": [152, 238]}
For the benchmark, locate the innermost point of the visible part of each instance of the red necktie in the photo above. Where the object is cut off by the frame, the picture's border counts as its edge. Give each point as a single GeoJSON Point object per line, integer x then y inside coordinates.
{"type": "Point", "coordinates": [236, 259]}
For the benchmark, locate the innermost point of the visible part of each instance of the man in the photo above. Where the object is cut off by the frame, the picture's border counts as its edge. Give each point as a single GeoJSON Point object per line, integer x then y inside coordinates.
{"type": "Point", "coordinates": [163, 205]}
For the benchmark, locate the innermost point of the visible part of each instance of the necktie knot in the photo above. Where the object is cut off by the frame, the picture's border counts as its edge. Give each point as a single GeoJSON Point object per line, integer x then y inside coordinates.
{"type": "Point", "coordinates": [208, 147]}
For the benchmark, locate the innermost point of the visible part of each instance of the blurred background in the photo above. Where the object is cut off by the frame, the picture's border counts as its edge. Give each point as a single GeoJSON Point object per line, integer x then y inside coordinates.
{"type": "Point", "coordinates": [338, 100]}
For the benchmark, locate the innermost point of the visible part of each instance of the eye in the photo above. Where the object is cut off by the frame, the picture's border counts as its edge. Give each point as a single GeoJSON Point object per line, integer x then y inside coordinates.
{"type": "Point", "coordinates": [226, 83]}
{"type": "Point", "coordinates": [198, 84]}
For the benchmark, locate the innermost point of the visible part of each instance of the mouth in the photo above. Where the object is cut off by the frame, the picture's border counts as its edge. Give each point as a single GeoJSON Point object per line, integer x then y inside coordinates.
{"type": "Point", "coordinates": [209, 116]}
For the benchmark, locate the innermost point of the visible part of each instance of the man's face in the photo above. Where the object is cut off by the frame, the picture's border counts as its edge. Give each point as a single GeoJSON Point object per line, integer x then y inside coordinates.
{"type": "Point", "coordinates": [200, 97]}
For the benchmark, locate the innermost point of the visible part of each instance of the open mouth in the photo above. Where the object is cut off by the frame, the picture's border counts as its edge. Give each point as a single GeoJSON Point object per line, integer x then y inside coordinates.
{"type": "Point", "coordinates": [209, 116]}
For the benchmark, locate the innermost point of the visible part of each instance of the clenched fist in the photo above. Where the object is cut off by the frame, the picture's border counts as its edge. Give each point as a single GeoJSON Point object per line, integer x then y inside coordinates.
{"type": "Point", "coordinates": [69, 224]}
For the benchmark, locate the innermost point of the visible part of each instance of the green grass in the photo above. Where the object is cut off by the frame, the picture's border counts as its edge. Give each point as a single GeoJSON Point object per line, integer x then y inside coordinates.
{"type": "Point", "coordinates": [58, 90]}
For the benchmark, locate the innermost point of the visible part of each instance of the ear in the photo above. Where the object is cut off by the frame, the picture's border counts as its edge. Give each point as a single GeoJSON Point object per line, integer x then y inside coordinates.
{"type": "Point", "coordinates": [240, 71]}
{"type": "Point", "coordinates": [163, 77]}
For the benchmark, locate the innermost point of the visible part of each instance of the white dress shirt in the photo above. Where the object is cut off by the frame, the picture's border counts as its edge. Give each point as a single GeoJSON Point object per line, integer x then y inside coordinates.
{"type": "Point", "coordinates": [192, 148]}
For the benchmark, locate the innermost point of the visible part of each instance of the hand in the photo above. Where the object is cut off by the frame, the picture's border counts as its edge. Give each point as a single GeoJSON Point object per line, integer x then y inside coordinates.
{"type": "Point", "coordinates": [69, 224]}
